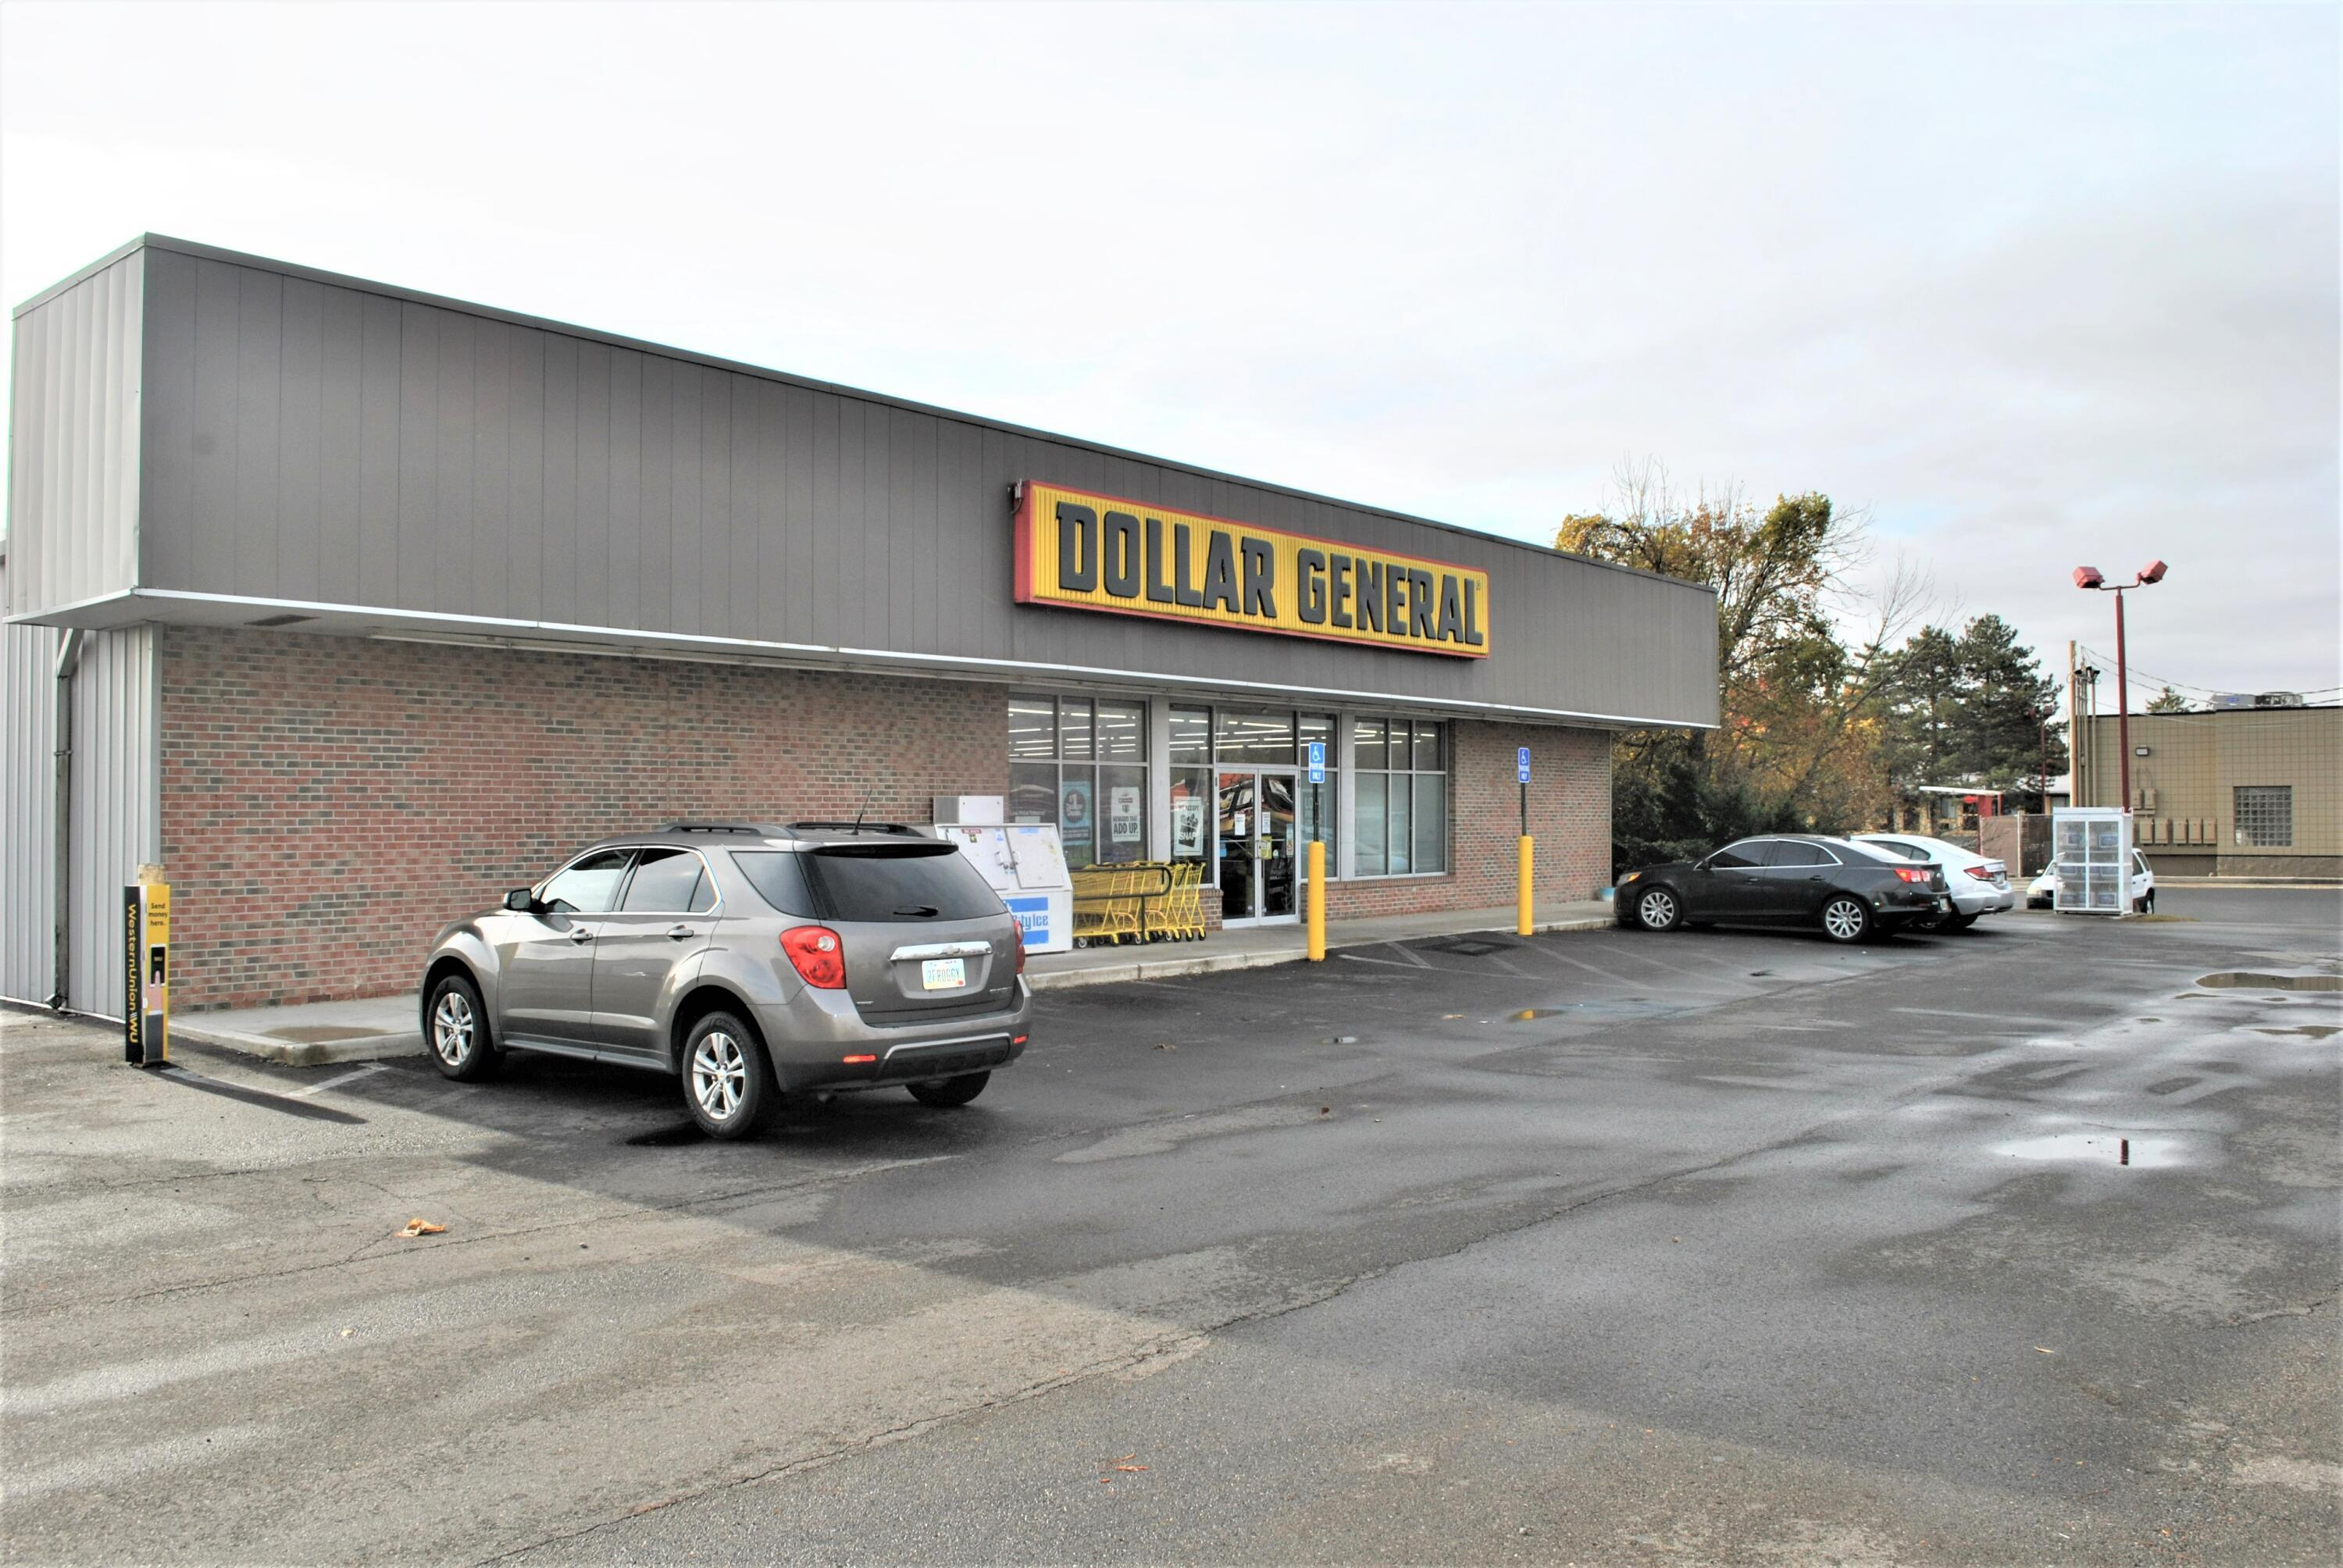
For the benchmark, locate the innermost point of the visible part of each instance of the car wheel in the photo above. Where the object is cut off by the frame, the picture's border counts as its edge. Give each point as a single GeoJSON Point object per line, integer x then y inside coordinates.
{"type": "Point", "coordinates": [1845, 919]}
{"type": "Point", "coordinates": [727, 1080]}
{"type": "Point", "coordinates": [949, 1091]}
{"type": "Point", "coordinates": [458, 1027]}
{"type": "Point", "coordinates": [2147, 902]}
{"type": "Point", "coordinates": [1657, 910]}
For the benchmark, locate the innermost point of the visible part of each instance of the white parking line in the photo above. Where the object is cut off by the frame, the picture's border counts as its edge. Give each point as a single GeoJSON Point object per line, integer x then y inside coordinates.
{"type": "Point", "coordinates": [1600, 974]}
{"type": "Point", "coordinates": [371, 1067]}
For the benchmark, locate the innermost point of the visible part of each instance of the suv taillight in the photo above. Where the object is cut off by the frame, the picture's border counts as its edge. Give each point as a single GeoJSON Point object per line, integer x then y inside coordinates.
{"type": "Point", "coordinates": [1911, 875]}
{"type": "Point", "coordinates": [1984, 873]}
{"type": "Point", "coordinates": [1021, 946]}
{"type": "Point", "coordinates": [817, 956]}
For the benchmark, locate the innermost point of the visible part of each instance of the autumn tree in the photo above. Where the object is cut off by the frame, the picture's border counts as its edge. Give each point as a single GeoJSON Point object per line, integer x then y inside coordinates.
{"type": "Point", "coordinates": [1800, 731]}
{"type": "Point", "coordinates": [2169, 701]}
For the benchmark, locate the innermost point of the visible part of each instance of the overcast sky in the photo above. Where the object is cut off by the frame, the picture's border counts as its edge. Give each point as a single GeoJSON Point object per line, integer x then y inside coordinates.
{"type": "Point", "coordinates": [2034, 287]}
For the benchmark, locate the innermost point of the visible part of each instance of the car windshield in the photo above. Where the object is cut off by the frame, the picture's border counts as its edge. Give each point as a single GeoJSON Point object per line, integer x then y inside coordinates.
{"type": "Point", "coordinates": [1872, 851]}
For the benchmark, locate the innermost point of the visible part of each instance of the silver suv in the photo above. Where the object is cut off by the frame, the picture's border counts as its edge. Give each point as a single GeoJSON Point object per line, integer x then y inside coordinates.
{"type": "Point", "coordinates": [754, 960]}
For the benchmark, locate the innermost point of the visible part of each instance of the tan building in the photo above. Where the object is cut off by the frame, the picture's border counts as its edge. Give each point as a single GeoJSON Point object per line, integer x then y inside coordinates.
{"type": "Point", "coordinates": [2236, 792]}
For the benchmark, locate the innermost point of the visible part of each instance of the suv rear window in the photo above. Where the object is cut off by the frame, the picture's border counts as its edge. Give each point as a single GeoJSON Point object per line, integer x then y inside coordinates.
{"type": "Point", "coordinates": [898, 882]}
{"type": "Point", "coordinates": [774, 874]}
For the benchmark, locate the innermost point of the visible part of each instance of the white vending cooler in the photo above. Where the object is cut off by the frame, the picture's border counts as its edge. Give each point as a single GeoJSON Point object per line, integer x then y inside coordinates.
{"type": "Point", "coordinates": [2090, 847]}
{"type": "Point", "coordinates": [1026, 865]}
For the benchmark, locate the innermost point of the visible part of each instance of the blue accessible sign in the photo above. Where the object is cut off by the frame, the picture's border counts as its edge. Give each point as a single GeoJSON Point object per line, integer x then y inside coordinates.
{"type": "Point", "coordinates": [1522, 762]}
{"type": "Point", "coordinates": [1317, 762]}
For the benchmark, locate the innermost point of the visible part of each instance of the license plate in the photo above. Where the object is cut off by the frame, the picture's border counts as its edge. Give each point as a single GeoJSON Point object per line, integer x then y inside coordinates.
{"type": "Point", "coordinates": [943, 974]}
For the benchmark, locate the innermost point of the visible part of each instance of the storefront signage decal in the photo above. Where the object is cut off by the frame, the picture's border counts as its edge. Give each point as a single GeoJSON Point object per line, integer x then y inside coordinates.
{"type": "Point", "coordinates": [1082, 550]}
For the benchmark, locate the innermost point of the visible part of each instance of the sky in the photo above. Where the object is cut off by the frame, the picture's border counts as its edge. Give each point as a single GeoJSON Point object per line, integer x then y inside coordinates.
{"type": "Point", "coordinates": [2028, 287]}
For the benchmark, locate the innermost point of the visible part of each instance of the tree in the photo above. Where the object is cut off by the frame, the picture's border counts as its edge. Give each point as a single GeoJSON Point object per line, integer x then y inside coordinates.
{"type": "Point", "coordinates": [1970, 710]}
{"type": "Point", "coordinates": [2169, 701]}
{"type": "Point", "coordinates": [1796, 749]}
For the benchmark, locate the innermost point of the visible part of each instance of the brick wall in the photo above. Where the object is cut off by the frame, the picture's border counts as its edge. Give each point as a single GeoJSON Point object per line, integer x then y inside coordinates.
{"type": "Point", "coordinates": [330, 803]}
{"type": "Point", "coordinates": [1570, 817]}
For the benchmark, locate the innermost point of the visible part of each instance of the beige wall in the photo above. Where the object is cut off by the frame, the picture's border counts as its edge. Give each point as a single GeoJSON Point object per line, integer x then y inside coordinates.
{"type": "Point", "coordinates": [2183, 790]}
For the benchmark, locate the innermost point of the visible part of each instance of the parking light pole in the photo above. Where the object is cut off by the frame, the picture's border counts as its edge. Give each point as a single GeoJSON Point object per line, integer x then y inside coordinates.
{"type": "Point", "coordinates": [2094, 580]}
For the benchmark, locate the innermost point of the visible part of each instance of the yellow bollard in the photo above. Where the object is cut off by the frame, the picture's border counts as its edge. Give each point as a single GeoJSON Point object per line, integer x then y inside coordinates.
{"type": "Point", "coordinates": [1525, 919]}
{"type": "Point", "coordinates": [1317, 902]}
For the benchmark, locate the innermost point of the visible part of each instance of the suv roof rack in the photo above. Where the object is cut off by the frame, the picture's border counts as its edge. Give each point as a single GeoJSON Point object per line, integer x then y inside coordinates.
{"type": "Point", "coordinates": [895, 830]}
{"type": "Point", "coordinates": [758, 829]}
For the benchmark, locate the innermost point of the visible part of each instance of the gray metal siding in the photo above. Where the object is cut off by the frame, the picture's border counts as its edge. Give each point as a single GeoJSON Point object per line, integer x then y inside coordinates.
{"type": "Point", "coordinates": [320, 442]}
{"type": "Point", "coordinates": [28, 656]}
{"type": "Point", "coordinates": [74, 441]}
{"type": "Point", "coordinates": [116, 806]}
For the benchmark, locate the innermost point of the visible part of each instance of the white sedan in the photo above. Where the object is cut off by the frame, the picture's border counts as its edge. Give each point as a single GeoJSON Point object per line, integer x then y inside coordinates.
{"type": "Point", "coordinates": [1979, 885]}
{"type": "Point", "coordinates": [2043, 891]}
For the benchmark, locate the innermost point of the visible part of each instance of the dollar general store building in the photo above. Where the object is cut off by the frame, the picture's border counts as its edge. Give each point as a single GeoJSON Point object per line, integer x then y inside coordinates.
{"type": "Point", "coordinates": [352, 608]}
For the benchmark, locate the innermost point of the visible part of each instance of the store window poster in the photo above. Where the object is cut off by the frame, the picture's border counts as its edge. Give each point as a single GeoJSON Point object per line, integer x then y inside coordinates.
{"type": "Point", "coordinates": [1122, 814]}
{"type": "Point", "coordinates": [1076, 816]}
{"type": "Point", "coordinates": [1187, 823]}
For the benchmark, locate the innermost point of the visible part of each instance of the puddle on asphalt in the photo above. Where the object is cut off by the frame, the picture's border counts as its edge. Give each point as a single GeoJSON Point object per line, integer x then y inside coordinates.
{"type": "Point", "coordinates": [2252, 979]}
{"type": "Point", "coordinates": [2113, 1148]}
{"type": "Point", "coordinates": [668, 1137]}
{"type": "Point", "coordinates": [2308, 1030]}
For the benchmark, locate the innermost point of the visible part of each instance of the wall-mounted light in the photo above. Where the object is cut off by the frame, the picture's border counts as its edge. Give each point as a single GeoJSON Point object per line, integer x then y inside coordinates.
{"type": "Point", "coordinates": [2140, 751]}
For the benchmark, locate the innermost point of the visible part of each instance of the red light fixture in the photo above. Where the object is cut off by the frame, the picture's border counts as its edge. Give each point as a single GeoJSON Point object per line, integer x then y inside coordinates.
{"type": "Point", "coordinates": [1021, 946]}
{"type": "Point", "coordinates": [817, 956]}
{"type": "Point", "coordinates": [858, 1060]}
{"type": "Point", "coordinates": [2093, 579]}
{"type": "Point", "coordinates": [1910, 875]}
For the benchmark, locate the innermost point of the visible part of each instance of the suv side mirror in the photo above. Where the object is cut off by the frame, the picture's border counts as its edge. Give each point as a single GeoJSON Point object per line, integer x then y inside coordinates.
{"type": "Point", "coordinates": [521, 902]}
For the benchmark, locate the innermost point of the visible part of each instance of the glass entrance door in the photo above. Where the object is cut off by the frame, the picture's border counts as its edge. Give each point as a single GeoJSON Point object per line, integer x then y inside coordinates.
{"type": "Point", "coordinates": [1256, 822]}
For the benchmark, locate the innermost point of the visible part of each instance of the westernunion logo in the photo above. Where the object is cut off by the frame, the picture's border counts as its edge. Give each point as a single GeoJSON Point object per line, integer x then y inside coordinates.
{"type": "Point", "coordinates": [1083, 552]}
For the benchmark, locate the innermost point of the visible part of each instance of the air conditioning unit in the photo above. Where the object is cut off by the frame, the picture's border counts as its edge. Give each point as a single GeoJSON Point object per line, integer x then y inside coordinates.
{"type": "Point", "coordinates": [2231, 699]}
{"type": "Point", "coordinates": [2278, 699]}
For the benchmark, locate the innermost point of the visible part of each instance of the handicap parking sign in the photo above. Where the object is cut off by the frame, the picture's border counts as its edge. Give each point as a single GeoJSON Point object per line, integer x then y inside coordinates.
{"type": "Point", "coordinates": [1317, 762]}
{"type": "Point", "coordinates": [1522, 762]}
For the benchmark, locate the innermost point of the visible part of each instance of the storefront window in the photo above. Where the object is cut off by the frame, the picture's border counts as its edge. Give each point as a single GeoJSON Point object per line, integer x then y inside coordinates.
{"type": "Point", "coordinates": [1081, 762]}
{"type": "Point", "coordinates": [1401, 796]}
{"type": "Point", "coordinates": [1192, 735]}
{"type": "Point", "coordinates": [1260, 739]}
{"type": "Point", "coordinates": [1033, 727]}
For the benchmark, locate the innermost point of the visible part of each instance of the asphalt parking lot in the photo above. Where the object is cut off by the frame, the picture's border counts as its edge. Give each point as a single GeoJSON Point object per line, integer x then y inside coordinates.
{"type": "Point", "coordinates": [2016, 1245]}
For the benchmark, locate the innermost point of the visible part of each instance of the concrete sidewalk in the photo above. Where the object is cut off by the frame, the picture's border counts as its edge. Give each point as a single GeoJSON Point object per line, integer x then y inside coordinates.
{"type": "Point", "coordinates": [372, 1028]}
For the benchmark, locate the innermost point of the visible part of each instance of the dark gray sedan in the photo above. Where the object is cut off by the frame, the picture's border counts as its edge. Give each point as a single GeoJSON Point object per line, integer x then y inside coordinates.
{"type": "Point", "coordinates": [1847, 890]}
{"type": "Point", "coordinates": [751, 961]}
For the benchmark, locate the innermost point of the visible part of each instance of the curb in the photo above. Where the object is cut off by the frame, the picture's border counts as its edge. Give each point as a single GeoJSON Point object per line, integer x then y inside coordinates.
{"type": "Point", "coordinates": [299, 1053]}
{"type": "Point", "coordinates": [410, 1042]}
{"type": "Point", "coordinates": [1170, 968]}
